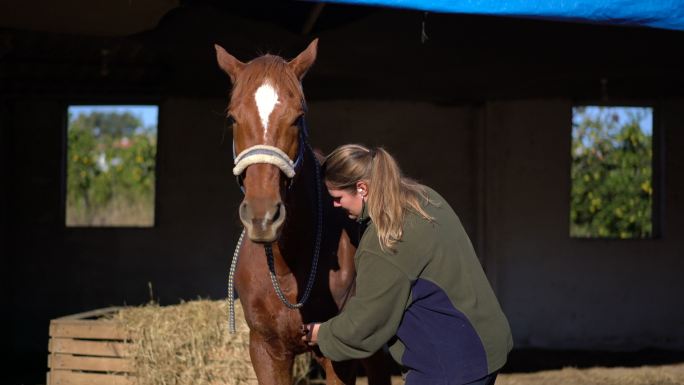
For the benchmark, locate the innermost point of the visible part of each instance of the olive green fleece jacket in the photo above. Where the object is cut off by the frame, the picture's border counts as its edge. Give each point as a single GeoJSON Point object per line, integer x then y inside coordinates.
{"type": "Point", "coordinates": [429, 300]}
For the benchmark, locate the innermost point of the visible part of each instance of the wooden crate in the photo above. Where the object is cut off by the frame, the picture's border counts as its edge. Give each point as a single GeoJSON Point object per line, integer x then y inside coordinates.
{"type": "Point", "coordinates": [85, 349]}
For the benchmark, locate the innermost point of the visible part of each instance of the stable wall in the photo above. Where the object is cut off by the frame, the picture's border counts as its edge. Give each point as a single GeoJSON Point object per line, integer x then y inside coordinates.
{"type": "Point", "coordinates": [57, 271]}
{"type": "Point", "coordinates": [560, 292]}
{"type": "Point", "coordinates": [435, 145]}
{"type": "Point", "coordinates": [5, 177]}
{"type": "Point", "coordinates": [503, 167]}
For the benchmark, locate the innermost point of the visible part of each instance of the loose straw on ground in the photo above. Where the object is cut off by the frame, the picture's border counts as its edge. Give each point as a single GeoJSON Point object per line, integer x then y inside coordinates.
{"type": "Point", "coordinates": [645, 375]}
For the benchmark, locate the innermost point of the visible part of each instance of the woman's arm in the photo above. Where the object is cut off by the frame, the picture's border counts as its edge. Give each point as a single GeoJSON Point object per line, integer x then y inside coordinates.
{"type": "Point", "coordinates": [372, 316]}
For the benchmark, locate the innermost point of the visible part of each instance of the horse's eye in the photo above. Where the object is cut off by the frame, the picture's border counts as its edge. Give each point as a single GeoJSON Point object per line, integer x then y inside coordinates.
{"type": "Point", "coordinates": [230, 120]}
{"type": "Point", "coordinates": [298, 121]}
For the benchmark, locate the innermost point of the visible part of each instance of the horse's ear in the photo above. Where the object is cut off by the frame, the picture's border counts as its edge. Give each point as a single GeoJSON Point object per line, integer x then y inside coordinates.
{"type": "Point", "coordinates": [304, 60]}
{"type": "Point", "coordinates": [228, 63]}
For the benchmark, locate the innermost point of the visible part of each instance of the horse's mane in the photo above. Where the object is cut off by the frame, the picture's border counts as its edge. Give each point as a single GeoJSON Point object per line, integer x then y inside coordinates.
{"type": "Point", "coordinates": [319, 154]}
{"type": "Point", "coordinates": [271, 67]}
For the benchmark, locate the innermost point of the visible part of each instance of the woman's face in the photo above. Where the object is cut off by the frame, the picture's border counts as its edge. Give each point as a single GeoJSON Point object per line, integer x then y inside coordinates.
{"type": "Point", "coordinates": [351, 201]}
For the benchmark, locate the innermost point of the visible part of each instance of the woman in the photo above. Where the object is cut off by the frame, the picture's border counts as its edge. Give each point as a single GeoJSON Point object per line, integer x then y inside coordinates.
{"type": "Point", "coordinates": [420, 288]}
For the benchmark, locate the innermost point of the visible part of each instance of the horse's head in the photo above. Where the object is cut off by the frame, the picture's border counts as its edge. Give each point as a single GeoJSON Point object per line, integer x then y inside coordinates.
{"type": "Point", "coordinates": [266, 108]}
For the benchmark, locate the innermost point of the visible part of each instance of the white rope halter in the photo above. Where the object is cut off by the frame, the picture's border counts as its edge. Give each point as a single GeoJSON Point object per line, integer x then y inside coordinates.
{"type": "Point", "coordinates": [262, 153]}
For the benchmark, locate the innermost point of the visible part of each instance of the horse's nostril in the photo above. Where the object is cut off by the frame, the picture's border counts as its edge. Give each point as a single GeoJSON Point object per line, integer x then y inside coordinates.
{"type": "Point", "coordinates": [245, 212]}
{"type": "Point", "coordinates": [277, 212]}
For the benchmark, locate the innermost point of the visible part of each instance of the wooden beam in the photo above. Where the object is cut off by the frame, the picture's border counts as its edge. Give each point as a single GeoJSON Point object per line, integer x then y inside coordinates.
{"type": "Point", "coordinates": [89, 348]}
{"type": "Point", "coordinates": [95, 364]}
{"type": "Point", "coordinates": [66, 377]}
{"type": "Point", "coordinates": [99, 330]}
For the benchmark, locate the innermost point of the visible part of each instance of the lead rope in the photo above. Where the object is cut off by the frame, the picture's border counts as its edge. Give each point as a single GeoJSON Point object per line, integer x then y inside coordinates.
{"type": "Point", "coordinates": [314, 262]}
{"type": "Point", "coordinates": [231, 285]}
{"type": "Point", "coordinates": [271, 265]}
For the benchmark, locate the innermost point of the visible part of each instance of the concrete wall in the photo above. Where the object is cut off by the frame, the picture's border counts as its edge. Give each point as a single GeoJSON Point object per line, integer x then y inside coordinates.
{"type": "Point", "coordinates": [58, 270]}
{"type": "Point", "coordinates": [504, 167]}
{"type": "Point", "coordinates": [561, 292]}
{"type": "Point", "coordinates": [5, 223]}
{"type": "Point", "coordinates": [434, 144]}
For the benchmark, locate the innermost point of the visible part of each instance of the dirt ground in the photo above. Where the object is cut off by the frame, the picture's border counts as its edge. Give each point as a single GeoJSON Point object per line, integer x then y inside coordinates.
{"type": "Point", "coordinates": [644, 375]}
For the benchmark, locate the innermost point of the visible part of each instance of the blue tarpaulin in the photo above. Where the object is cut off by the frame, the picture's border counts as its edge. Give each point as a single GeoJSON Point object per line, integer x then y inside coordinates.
{"type": "Point", "coordinates": [666, 14]}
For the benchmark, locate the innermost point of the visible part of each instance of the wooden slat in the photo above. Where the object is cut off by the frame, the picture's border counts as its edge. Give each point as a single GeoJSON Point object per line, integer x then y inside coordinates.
{"type": "Point", "coordinates": [103, 330]}
{"type": "Point", "coordinates": [91, 313]}
{"type": "Point", "coordinates": [98, 364]}
{"type": "Point", "coordinates": [89, 348]}
{"type": "Point", "coordinates": [66, 377]}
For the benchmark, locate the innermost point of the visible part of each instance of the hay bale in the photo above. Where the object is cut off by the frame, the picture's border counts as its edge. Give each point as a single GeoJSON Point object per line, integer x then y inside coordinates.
{"type": "Point", "coordinates": [189, 343]}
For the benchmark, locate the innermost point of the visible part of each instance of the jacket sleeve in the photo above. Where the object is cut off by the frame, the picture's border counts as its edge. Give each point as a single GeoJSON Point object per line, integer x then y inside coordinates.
{"type": "Point", "coordinates": [372, 315]}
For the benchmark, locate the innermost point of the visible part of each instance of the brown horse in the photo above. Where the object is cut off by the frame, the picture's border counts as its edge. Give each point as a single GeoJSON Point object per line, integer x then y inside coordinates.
{"type": "Point", "coordinates": [296, 263]}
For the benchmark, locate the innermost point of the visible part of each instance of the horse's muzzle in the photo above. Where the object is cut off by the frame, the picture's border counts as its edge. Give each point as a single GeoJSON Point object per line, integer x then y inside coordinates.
{"type": "Point", "coordinates": [263, 221]}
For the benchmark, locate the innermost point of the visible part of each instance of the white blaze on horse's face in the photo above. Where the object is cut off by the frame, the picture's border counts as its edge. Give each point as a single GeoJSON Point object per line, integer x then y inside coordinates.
{"type": "Point", "coordinates": [266, 99]}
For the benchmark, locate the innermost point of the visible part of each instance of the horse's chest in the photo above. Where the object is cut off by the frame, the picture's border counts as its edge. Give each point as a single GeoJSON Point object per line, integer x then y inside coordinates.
{"type": "Point", "coordinates": [264, 308]}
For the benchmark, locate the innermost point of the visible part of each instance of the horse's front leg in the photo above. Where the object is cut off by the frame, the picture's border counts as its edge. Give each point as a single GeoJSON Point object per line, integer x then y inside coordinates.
{"type": "Point", "coordinates": [377, 368]}
{"type": "Point", "coordinates": [338, 373]}
{"type": "Point", "coordinates": [271, 359]}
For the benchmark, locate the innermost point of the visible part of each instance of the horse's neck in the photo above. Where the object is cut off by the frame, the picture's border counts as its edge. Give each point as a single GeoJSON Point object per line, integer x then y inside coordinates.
{"type": "Point", "coordinates": [302, 205]}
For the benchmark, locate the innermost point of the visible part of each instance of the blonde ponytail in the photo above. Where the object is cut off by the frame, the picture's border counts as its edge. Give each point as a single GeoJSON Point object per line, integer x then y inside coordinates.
{"type": "Point", "coordinates": [390, 194]}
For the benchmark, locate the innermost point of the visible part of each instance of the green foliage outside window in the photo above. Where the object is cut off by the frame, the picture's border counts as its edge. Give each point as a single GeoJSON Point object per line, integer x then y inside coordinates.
{"type": "Point", "coordinates": [612, 191]}
{"type": "Point", "coordinates": [110, 169]}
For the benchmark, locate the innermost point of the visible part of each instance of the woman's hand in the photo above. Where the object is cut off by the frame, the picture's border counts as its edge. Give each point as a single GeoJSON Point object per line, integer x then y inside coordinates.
{"type": "Point", "coordinates": [310, 333]}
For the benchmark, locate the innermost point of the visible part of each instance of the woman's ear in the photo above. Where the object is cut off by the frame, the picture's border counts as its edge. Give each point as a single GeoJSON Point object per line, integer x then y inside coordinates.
{"type": "Point", "coordinates": [362, 188]}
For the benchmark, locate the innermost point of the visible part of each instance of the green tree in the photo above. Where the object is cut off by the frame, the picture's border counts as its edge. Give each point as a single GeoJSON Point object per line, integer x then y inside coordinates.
{"type": "Point", "coordinates": [612, 190]}
{"type": "Point", "coordinates": [110, 170]}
